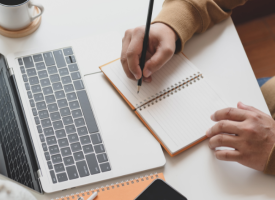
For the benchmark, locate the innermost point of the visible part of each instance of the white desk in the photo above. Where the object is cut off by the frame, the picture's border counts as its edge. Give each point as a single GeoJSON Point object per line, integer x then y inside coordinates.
{"type": "Point", "coordinates": [218, 53]}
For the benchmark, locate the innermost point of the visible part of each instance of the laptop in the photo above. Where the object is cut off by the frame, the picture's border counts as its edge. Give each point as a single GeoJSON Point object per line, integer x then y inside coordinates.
{"type": "Point", "coordinates": [61, 128]}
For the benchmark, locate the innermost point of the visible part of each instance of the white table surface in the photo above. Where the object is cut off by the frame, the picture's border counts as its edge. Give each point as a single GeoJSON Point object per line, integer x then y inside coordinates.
{"type": "Point", "coordinates": [196, 173]}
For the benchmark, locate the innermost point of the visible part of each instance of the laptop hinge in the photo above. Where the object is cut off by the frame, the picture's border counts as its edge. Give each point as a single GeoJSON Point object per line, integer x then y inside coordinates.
{"type": "Point", "coordinates": [11, 71]}
{"type": "Point", "coordinates": [39, 174]}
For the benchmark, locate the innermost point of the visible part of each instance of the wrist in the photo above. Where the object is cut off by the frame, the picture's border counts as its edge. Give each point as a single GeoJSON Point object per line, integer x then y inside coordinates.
{"type": "Point", "coordinates": [168, 30]}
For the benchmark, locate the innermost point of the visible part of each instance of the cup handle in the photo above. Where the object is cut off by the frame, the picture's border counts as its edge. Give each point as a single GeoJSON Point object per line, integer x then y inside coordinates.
{"type": "Point", "coordinates": [38, 5]}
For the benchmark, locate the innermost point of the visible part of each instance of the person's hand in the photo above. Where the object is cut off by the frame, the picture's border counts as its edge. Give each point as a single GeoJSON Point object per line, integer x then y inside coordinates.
{"type": "Point", "coordinates": [253, 140]}
{"type": "Point", "coordinates": [162, 44]}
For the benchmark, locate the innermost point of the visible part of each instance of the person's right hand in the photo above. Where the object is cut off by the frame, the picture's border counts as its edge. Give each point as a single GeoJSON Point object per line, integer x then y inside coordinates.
{"type": "Point", "coordinates": [162, 44]}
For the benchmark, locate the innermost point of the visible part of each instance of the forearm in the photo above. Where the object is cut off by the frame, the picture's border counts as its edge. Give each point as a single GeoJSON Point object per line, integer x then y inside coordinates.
{"type": "Point", "coordinates": [187, 17]}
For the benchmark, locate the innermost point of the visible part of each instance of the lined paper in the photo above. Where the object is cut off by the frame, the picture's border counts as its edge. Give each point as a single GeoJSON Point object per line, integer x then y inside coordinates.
{"type": "Point", "coordinates": [184, 117]}
{"type": "Point", "coordinates": [173, 72]}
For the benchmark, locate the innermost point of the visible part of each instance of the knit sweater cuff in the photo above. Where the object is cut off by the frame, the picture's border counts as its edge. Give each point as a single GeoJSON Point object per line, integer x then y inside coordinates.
{"type": "Point", "coordinates": [182, 17]}
{"type": "Point", "coordinates": [270, 165]}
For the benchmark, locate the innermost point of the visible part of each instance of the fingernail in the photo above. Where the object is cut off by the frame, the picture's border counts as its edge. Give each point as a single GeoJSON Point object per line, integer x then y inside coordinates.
{"type": "Point", "coordinates": [147, 73]}
{"type": "Point", "coordinates": [147, 80]}
{"type": "Point", "coordinates": [208, 132]}
{"type": "Point", "coordinates": [213, 117]}
{"type": "Point", "coordinates": [135, 75]}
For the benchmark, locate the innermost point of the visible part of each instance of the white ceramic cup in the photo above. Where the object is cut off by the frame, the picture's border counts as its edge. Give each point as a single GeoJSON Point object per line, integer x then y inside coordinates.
{"type": "Point", "coordinates": [17, 17]}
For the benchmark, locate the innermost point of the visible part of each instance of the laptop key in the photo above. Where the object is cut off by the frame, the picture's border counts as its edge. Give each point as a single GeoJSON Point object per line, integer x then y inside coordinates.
{"type": "Point", "coordinates": [51, 140]}
{"type": "Point", "coordinates": [47, 90]}
{"type": "Point", "coordinates": [96, 138]}
{"type": "Point", "coordinates": [54, 149]}
{"type": "Point", "coordinates": [71, 96]}
{"type": "Point", "coordinates": [57, 86]}
{"type": "Point", "coordinates": [73, 67]}
{"type": "Point", "coordinates": [88, 149]}
{"type": "Point", "coordinates": [78, 85]}
{"type": "Point", "coordinates": [55, 116]}
{"type": "Point", "coordinates": [73, 138]}
{"type": "Point", "coordinates": [82, 131]}
{"type": "Point", "coordinates": [20, 62]}
{"type": "Point", "coordinates": [59, 94]}
{"type": "Point", "coordinates": [46, 123]}
{"type": "Point", "coordinates": [36, 88]}
{"type": "Point", "coordinates": [79, 122]}
{"type": "Point", "coordinates": [50, 99]}
{"type": "Point", "coordinates": [48, 57]}
{"type": "Point", "coordinates": [52, 70]}
{"type": "Point", "coordinates": [53, 176]}
{"type": "Point", "coordinates": [59, 58]}
{"type": "Point", "coordinates": [66, 80]}
{"type": "Point", "coordinates": [75, 76]}
{"type": "Point", "coordinates": [47, 156]}
{"type": "Point", "coordinates": [45, 82]}
{"type": "Point", "coordinates": [72, 173]}
{"type": "Point", "coordinates": [60, 133]}
{"type": "Point", "coordinates": [42, 138]}
{"type": "Point", "coordinates": [63, 71]}
{"type": "Point", "coordinates": [68, 60]}
{"type": "Point", "coordinates": [76, 113]}
{"type": "Point", "coordinates": [25, 78]}
{"type": "Point", "coordinates": [52, 107]}
{"type": "Point", "coordinates": [39, 129]}
{"type": "Point", "coordinates": [43, 114]}
{"type": "Point", "coordinates": [37, 121]}
{"type": "Point", "coordinates": [27, 86]}
{"type": "Point", "coordinates": [44, 146]}
{"type": "Point", "coordinates": [66, 152]}
{"type": "Point", "coordinates": [48, 131]}
{"type": "Point", "coordinates": [54, 78]}
{"type": "Point", "coordinates": [59, 168]}
{"type": "Point", "coordinates": [43, 74]}
{"type": "Point", "coordinates": [102, 158]}
{"type": "Point", "coordinates": [34, 80]}
{"type": "Point", "coordinates": [62, 177]}
{"type": "Point", "coordinates": [50, 166]}
{"type": "Point", "coordinates": [105, 167]}
{"type": "Point", "coordinates": [68, 51]}
{"type": "Point", "coordinates": [22, 69]}
{"type": "Point", "coordinates": [82, 169]}
{"type": "Point", "coordinates": [65, 112]}
{"type": "Point", "coordinates": [74, 105]}
{"type": "Point", "coordinates": [29, 94]}
{"type": "Point", "coordinates": [63, 142]}
{"type": "Point", "coordinates": [76, 147]}
{"type": "Point", "coordinates": [31, 72]}
{"type": "Point", "coordinates": [67, 120]}
{"type": "Point", "coordinates": [78, 156]}
{"type": "Point", "coordinates": [37, 58]}
{"type": "Point", "coordinates": [72, 58]}
{"type": "Point", "coordinates": [68, 161]}
{"type": "Point", "coordinates": [85, 140]}
{"type": "Point", "coordinates": [69, 88]}
{"type": "Point", "coordinates": [87, 111]}
{"type": "Point", "coordinates": [92, 163]}
{"type": "Point", "coordinates": [56, 159]}
{"type": "Point", "coordinates": [70, 129]}
{"type": "Point", "coordinates": [41, 105]}
{"type": "Point", "coordinates": [62, 103]}
{"type": "Point", "coordinates": [40, 66]}
{"type": "Point", "coordinates": [58, 125]}
{"type": "Point", "coordinates": [34, 112]}
{"type": "Point", "coordinates": [38, 97]}
{"type": "Point", "coordinates": [99, 148]}
{"type": "Point", "coordinates": [28, 62]}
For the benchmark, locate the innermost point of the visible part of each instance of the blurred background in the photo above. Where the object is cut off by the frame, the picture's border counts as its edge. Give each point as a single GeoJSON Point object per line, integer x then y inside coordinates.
{"type": "Point", "coordinates": [255, 23]}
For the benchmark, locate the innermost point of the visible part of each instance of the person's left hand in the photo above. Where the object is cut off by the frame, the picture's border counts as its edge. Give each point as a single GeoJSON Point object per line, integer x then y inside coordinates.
{"type": "Point", "coordinates": [253, 140]}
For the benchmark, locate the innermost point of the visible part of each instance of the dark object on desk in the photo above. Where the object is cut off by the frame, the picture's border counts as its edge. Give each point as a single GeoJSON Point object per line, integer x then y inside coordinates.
{"type": "Point", "coordinates": [145, 42]}
{"type": "Point", "coordinates": [160, 190]}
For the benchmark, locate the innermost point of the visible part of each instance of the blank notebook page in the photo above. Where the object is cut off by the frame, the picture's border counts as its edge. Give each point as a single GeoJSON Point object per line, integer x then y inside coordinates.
{"type": "Point", "coordinates": [173, 72]}
{"type": "Point", "coordinates": [184, 117]}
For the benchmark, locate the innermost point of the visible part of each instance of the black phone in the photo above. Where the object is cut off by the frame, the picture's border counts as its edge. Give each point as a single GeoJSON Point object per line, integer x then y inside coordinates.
{"type": "Point", "coordinates": [160, 190]}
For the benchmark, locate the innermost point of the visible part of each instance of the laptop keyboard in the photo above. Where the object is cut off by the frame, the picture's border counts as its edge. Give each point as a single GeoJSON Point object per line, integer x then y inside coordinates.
{"type": "Point", "coordinates": [10, 139]}
{"type": "Point", "coordinates": [65, 121]}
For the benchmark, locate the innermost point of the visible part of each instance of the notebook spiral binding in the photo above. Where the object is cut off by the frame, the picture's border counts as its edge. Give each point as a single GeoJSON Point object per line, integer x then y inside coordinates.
{"type": "Point", "coordinates": [173, 89]}
{"type": "Point", "coordinates": [79, 196]}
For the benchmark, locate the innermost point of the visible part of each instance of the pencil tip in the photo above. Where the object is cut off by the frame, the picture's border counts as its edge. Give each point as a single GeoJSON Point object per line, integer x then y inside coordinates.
{"type": "Point", "coordinates": [138, 89]}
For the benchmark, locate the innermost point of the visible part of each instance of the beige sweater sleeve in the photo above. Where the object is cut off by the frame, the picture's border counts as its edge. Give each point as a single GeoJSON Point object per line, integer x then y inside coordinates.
{"type": "Point", "coordinates": [187, 17]}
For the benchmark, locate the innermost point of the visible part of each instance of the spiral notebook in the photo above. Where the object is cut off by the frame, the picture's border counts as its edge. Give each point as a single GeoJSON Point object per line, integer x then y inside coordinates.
{"type": "Point", "coordinates": [126, 190]}
{"type": "Point", "coordinates": [176, 106]}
